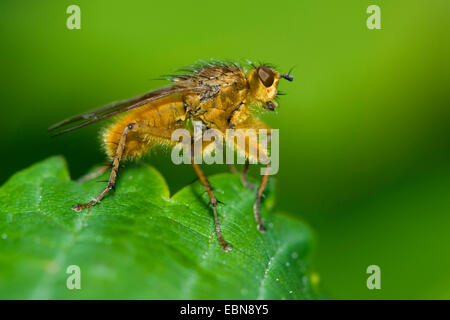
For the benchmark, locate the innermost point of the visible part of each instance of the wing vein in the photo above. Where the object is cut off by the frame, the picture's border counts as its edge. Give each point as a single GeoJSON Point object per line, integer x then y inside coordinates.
{"type": "Point", "coordinates": [120, 107]}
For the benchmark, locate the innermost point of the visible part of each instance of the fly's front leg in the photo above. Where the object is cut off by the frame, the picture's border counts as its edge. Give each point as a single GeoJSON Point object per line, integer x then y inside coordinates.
{"type": "Point", "coordinates": [256, 150]}
{"type": "Point", "coordinates": [114, 169]}
{"type": "Point", "coordinates": [259, 194]}
{"type": "Point", "coordinates": [213, 202]}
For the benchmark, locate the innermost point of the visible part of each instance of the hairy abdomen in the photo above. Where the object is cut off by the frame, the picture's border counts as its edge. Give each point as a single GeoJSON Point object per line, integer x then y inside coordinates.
{"type": "Point", "coordinates": [154, 125]}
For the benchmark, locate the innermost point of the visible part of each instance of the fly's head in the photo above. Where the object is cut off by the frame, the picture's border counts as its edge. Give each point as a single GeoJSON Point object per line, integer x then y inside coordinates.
{"type": "Point", "coordinates": [263, 83]}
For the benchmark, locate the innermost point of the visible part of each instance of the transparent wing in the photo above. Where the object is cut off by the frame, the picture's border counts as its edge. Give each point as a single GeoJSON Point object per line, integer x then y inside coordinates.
{"type": "Point", "coordinates": [115, 108]}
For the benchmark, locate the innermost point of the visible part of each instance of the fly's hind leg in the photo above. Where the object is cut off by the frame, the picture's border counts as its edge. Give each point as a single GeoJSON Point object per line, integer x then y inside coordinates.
{"type": "Point", "coordinates": [94, 174]}
{"type": "Point", "coordinates": [114, 169]}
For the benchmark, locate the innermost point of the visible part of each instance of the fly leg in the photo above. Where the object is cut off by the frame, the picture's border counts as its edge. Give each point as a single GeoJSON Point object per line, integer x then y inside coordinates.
{"type": "Point", "coordinates": [244, 178]}
{"type": "Point", "coordinates": [114, 169]}
{"type": "Point", "coordinates": [243, 174]}
{"type": "Point", "coordinates": [213, 202]}
{"type": "Point", "coordinates": [259, 194]}
{"type": "Point", "coordinates": [232, 168]}
{"type": "Point", "coordinates": [255, 149]}
{"type": "Point", "coordinates": [94, 174]}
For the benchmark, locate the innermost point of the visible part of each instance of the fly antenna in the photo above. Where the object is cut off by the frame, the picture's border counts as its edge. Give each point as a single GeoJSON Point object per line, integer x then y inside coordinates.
{"type": "Point", "coordinates": [288, 76]}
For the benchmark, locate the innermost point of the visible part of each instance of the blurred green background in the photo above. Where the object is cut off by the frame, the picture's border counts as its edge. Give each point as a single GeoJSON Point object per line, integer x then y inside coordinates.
{"type": "Point", "coordinates": [364, 129]}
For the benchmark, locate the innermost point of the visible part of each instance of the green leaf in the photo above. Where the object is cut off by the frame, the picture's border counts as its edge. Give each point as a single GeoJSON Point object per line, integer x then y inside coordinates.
{"type": "Point", "coordinates": [141, 244]}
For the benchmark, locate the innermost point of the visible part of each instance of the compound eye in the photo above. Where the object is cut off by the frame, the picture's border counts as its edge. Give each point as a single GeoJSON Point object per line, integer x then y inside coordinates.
{"type": "Point", "coordinates": [266, 76]}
